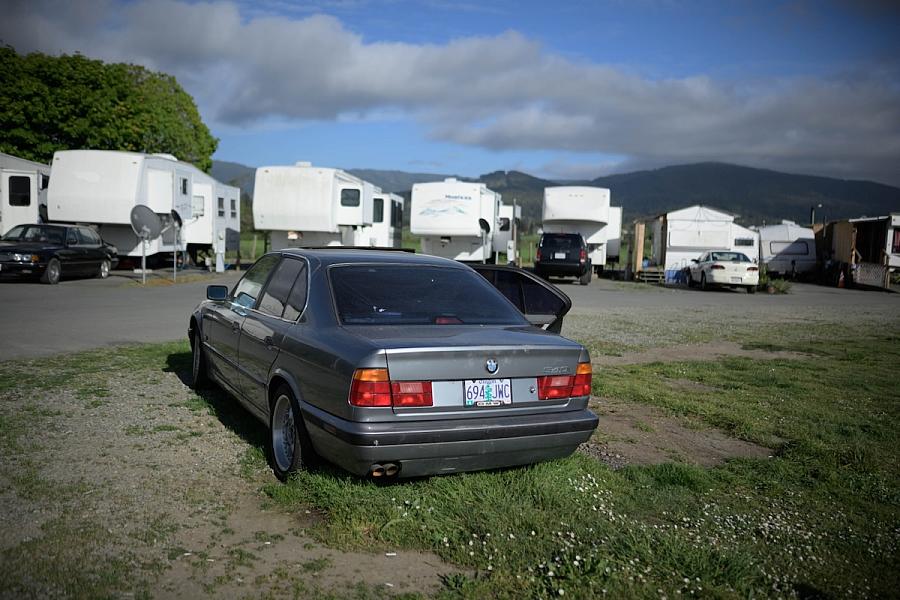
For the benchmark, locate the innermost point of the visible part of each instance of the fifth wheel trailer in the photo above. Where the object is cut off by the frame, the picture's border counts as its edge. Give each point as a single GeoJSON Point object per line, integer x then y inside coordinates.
{"type": "Point", "coordinates": [580, 209]}
{"type": "Point", "coordinates": [102, 186]}
{"type": "Point", "coordinates": [303, 205]}
{"type": "Point", "coordinates": [456, 219]}
{"type": "Point", "coordinates": [787, 249]}
{"type": "Point", "coordinates": [23, 191]}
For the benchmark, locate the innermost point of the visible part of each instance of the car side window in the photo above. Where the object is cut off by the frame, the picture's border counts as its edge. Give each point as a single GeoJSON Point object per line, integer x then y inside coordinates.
{"type": "Point", "coordinates": [297, 298]}
{"type": "Point", "coordinates": [275, 295]}
{"type": "Point", "coordinates": [247, 290]}
{"type": "Point", "coordinates": [87, 237]}
{"type": "Point", "coordinates": [71, 237]}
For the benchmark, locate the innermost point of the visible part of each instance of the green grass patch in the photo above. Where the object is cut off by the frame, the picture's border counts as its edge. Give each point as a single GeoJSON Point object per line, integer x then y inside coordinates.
{"type": "Point", "coordinates": [820, 517]}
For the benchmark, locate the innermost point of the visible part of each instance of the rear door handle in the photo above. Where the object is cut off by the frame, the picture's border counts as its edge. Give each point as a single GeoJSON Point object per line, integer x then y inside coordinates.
{"type": "Point", "coordinates": [235, 326]}
{"type": "Point", "coordinates": [269, 342]}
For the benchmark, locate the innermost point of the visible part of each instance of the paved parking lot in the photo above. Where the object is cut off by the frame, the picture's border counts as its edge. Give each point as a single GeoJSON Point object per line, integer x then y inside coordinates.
{"type": "Point", "coordinates": [78, 314]}
{"type": "Point", "coordinates": [41, 320]}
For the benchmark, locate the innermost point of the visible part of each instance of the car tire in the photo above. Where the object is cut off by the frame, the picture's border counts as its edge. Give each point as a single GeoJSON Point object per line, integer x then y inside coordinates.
{"type": "Point", "coordinates": [52, 273]}
{"type": "Point", "coordinates": [288, 447]}
{"type": "Point", "coordinates": [690, 280]}
{"type": "Point", "coordinates": [199, 373]}
{"type": "Point", "coordinates": [751, 289]}
{"type": "Point", "coordinates": [585, 278]}
{"type": "Point", "coordinates": [703, 285]}
{"type": "Point", "coordinates": [103, 269]}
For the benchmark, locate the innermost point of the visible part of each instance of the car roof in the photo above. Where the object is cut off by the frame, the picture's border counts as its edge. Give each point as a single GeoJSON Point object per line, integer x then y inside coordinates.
{"type": "Point", "coordinates": [344, 255]}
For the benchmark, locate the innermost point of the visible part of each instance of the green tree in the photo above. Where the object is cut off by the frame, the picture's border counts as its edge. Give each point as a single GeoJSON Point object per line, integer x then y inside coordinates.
{"type": "Point", "coordinates": [50, 103]}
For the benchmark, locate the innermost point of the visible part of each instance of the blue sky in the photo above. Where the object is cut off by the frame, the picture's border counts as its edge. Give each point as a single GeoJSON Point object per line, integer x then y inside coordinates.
{"type": "Point", "coordinates": [560, 90]}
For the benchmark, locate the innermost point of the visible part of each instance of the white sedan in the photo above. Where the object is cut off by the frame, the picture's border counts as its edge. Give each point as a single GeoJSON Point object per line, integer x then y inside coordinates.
{"type": "Point", "coordinates": [722, 268]}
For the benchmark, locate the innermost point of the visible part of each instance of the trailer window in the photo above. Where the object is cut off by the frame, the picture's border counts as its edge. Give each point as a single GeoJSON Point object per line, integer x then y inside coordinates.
{"type": "Point", "coordinates": [45, 181]}
{"type": "Point", "coordinates": [744, 242]}
{"type": "Point", "coordinates": [184, 186]}
{"type": "Point", "coordinates": [349, 197]}
{"type": "Point", "coordinates": [796, 247]}
{"type": "Point", "coordinates": [895, 247]}
{"type": "Point", "coordinates": [19, 190]}
{"type": "Point", "coordinates": [504, 224]}
{"type": "Point", "coordinates": [379, 211]}
{"type": "Point", "coordinates": [233, 208]}
{"type": "Point", "coordinates": [221, 207]}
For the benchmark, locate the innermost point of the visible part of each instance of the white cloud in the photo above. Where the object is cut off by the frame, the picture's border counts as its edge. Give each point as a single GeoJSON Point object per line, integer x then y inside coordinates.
{"type": "Point", "coordinates": [501, 92]}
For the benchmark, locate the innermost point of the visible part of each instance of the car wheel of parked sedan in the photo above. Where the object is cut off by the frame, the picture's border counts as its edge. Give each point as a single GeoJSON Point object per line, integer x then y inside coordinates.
{"type": "Point", "coordinates": [103, 271]}
{"type": "Point", "coordinates": [289, 447]}
{"type": "Point", "coordinates": [703, 284]}
{"type": "Point", "coordinates": [52, 273]}
{"type": "Point", "coordinates": [690, 278]}
{"type": "Point", "coordinates": [751, 289]}
{"type": "Point", "coordinates": [199, 376]}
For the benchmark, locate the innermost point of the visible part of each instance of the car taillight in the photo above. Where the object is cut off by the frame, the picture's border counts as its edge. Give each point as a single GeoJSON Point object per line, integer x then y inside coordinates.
{"type": "Point", "coordinates": [537, 255]}
{"type": "Point", "coordinates": [555, 387]}
{"type": "Point", "coordinates": [370, 387]}
{"type": "Point", "coordinates": [582, 386]}
{"type": "Point", "coordinates": [560, 387]}
{"type": "Point", "coordinates": [717, 267]}
{"type": "Point", "coordinates": [583, 256]}
{"type": "Point", "coordinates": [411, 393]}
{"type": "Point", "coordinates": [373, 387]}
{"type": "Point", "coordinates": [753, 268]}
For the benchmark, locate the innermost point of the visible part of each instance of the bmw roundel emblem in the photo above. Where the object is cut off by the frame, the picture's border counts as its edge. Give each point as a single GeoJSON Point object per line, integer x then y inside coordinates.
{"type": "Point", "coordinates": [491, 366]}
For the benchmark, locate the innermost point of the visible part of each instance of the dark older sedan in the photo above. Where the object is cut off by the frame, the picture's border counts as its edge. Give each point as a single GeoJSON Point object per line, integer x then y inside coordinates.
{"type": "Point", "coordinates": [391, 364]}
{"type": "Point", "coordinates": [53, 251]}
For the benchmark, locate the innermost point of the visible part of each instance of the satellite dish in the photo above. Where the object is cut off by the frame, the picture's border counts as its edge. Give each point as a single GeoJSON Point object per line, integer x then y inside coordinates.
{"type": "Point", "coordinates": [485, 227]}
{"type": "Point", "coordinates": [176, 218]}
{"type": "Point", "coordinates": [145, 223]}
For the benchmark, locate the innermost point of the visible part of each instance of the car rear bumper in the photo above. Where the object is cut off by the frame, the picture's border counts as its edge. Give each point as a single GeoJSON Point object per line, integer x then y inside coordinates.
{"type": "Point", "coordinates": [726, 278]}
{"type": "Point", "coordinates": [447, 446]}
{"type": "Point", "coordinates": [564, 269]}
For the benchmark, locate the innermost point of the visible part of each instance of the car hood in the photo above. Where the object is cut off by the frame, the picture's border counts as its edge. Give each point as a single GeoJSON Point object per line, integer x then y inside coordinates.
{"type": "Point", "coordinates": [27, 246]}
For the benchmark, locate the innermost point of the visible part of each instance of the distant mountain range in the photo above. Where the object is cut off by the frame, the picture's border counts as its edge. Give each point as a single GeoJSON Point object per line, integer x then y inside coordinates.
{"type": "Point", "coordinates": [753, 195]}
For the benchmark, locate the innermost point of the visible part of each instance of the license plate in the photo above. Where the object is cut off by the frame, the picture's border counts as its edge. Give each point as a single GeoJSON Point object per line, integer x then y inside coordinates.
{"type": "Point", "coordinates": [560, 255]}
{"type": "Point", "coordinates": [487, 392]}
{"type": "Point", "coordinates": [735, 280]}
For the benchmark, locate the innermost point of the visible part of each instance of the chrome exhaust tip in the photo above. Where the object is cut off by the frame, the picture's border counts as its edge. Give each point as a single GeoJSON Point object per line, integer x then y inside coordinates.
{"type": "Point", "coordinates": [391, 469]}
{"type": "Point", "coordinates": [376, 470]}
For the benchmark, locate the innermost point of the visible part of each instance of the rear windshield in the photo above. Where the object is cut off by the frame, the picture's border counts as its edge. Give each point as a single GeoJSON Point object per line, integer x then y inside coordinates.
{"type": "Point", "coordinates": [730, 256]}
{"type": "Point", "coordinates": [561, 242]}
{"type": "Point", "coordinates": [418, 295]}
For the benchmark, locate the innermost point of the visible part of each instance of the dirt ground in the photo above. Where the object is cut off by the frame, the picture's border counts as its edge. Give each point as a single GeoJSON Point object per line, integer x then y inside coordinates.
{"type": "Point", "coordinates": [637, 434]}
{"type": "Point", "coordinates": [160, 493]}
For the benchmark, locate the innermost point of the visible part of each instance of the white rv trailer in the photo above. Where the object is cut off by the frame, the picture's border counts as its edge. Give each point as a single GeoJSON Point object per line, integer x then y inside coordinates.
{"type": "Point", "coordinates": [682, 235]}
{"type": "Point", "coordinates": [787, 248]}
{"type": "Point", "coordinates": [102, 186]}
{"type": "Point", "coordinates": [614, 234]}
{"type": "Point", "coordinates": [386, 230]}
{"type": "Point", "coordinates": [579, 209]}
{"type": "Point", "coordinates": [449, 214]}
{"type": "Point", "coordinates": [507, 226]}
{"type": "Point", "coordinates": [23, 191]}
{"type": "Point", "coordinates": [303, 205]}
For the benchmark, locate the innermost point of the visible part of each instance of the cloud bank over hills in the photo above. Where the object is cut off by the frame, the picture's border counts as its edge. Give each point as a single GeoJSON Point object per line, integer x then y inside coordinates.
{"type": "Point", "coordinates": [498, 92]}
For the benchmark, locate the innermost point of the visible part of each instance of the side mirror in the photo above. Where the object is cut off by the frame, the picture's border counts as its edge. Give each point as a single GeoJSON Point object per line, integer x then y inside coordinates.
{"type": "Point", "coordinates": [216, 292]}
{"type": "Point", "coordinates": [694, 260]}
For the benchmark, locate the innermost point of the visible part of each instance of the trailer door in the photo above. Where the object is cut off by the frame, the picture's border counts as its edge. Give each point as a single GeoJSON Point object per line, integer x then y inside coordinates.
{"type": "Point", "coordinates": [18, 199]}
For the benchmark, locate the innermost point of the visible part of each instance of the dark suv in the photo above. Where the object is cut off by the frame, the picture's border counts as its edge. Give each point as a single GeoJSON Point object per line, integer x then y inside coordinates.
{"type": "Point", "coordinates": [563, 255]}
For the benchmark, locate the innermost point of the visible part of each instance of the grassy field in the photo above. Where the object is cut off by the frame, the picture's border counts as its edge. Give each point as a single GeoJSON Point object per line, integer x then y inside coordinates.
{"type": "Point", "coordinates": [820, 518]}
